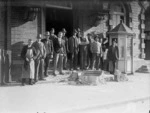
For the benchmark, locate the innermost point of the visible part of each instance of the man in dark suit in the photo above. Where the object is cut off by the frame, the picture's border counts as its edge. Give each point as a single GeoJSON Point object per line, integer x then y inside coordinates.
{"type": "Point", "coordinates": [52, 34]}
{"type": "Point", "coordinates": [59, 47]}
{"type": "Point", "coordinates": [39, 61]}
{"type": "Point", "coordinates": [113, 56]}
{"type": "Point", "coordinates": [73, 46]}
{"type": "Point", "coordinates": [49, 51]}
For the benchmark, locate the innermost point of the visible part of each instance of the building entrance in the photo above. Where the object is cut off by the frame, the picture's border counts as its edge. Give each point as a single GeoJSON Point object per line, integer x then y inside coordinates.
{"type": "Point", "coordinates": [59, 18]}
{"type": "Point", "coordinates": [147, 32]}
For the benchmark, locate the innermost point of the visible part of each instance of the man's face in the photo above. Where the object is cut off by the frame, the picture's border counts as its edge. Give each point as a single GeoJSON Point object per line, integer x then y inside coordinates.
{"type": "Point", "coordinates": [64, 33]}
{"type": "Point", "coordinates": [74, 34]}
{"type": "Point", "coordinates": [114, 43]}
{"type": "Point", "coordinates": [53, 31]}
{"type": "Point", "coordinates": [38, 39]}
{"type": "Point", "coordinates": [47, 36]}
{"type": "Point", "coordinates": [101, 40]}
{"type": "Point", "coordinates": [79, 34]}
{"type": "Point", "coordinates": [96, 39]}
{"type": "Point", "coordinates": [60, 35]}
{"type": "Point", "coordinates": [30, 42]}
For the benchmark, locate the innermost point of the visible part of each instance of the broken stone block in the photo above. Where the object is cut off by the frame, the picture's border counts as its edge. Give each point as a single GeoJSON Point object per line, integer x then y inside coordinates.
{"type": "Point", "coordinates": [92, 78]}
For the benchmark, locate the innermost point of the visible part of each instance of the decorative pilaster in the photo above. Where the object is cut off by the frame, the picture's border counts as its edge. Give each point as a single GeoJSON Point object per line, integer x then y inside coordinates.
{"type": "Point", "coordinates": [142, 17]}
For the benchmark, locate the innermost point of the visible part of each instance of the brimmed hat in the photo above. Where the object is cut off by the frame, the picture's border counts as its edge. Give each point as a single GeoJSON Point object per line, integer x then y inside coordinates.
{"type": "Point", "coordinates": [47, 33]}
{"type": "Point", "coordinates": [64, 30]}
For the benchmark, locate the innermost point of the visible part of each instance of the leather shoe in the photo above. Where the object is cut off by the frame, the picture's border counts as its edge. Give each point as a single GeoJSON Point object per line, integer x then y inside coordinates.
{"type": "Point", "coordinates": [42, 79]}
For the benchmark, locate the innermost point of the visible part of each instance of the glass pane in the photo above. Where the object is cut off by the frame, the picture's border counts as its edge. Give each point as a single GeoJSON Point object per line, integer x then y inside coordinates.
{"type": "Point", "coordinates": [129, 47]}
{"type": "Point", "coordinates": [121, 47]}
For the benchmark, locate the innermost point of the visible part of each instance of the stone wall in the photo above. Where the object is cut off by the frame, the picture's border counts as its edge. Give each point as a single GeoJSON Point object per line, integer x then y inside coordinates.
{"type": "Point", "coordinates": [136, 10]}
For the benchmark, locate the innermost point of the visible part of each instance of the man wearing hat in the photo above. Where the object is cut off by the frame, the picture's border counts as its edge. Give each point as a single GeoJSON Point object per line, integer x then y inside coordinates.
{"type": "Point", "coordinates": [52, 34]}
{"type": "Point", "coordinates": [66, 48]}
{"type": "Point", "coordinates": [59, 47]}
{"type": "Point", "coordinates": [49, 51]}
{"type": "Point", "coordinates": [73, 46]}
{"type": "Point", "coordinates": [39, 61]}
{"type": "Point", "coordinates": [89, 53]}
{"type": "Point", "coordinates": [113, 56]}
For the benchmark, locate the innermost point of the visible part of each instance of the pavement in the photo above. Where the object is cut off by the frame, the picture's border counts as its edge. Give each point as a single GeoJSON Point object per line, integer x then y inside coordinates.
{"type": "Point", "coordinates": [56, 96]}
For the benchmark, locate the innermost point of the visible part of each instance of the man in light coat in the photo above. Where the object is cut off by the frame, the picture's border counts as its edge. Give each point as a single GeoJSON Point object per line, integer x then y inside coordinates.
{"type": "Point", "coordinates": [39, 61]}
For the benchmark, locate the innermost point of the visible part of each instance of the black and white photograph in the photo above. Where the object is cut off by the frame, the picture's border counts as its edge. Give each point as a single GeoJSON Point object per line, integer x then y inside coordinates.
{"type": "Point", "coordinates": [74, 56]}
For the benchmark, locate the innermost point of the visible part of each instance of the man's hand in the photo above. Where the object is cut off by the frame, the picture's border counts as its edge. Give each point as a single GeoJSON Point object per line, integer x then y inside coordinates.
{"type": "Point", "coordinates": [27, 59]}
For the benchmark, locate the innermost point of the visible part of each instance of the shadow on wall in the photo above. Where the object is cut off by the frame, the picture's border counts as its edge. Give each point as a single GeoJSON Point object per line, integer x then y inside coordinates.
{"type": "Point", "coordinates": [99, 28]}
{"type": "Point", "coordinates": [20, 15]}
{"type": "Point", "coordinates": [16, 61]}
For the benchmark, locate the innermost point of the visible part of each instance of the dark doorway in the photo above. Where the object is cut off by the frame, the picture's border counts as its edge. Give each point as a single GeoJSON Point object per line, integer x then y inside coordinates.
{"type": "Point", "coordinates": [58, 18]}
{"type": "Point", "coordinates": [147, 49]}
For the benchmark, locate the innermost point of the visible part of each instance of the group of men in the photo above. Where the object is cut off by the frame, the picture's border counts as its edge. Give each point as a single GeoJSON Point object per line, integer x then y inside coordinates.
{"type": "Point", "coordinates": [74, 53]}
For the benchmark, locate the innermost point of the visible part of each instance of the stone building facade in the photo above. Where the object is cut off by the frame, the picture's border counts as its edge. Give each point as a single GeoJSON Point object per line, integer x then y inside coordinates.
{"type": "Point", "coordinates": [24, 19]}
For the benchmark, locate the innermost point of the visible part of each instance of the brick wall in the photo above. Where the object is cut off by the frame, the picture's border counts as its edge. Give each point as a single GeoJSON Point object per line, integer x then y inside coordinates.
{"type": "Point", "coordinates": [21, 31]}
{"type": "Point", "coordinates": [136, 26]}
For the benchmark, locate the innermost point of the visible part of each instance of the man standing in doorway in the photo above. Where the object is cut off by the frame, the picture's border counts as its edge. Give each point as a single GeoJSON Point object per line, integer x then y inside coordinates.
{"type": "Point", "coordinates": [73, 46]}
{"type": "Point", "coordinates": [39, 61]}
{"type": "Point", "coordinates": [113, 56]}
{"type": "Point", "coordinates": [49, 51]}
{"type": "Point", "coordinates": [59, 46]}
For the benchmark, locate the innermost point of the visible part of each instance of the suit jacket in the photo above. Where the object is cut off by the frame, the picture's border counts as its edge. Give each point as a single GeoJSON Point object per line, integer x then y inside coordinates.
{"type": "Point", "coordinates": [73, 45]}
{"type": "Point", "coordinates": [40, 48]}
{"type": "Point", "coordinates": [23, 55]}
{"type": "Point", "coordinates": [113, 53]}
{"type": "Point", "coordinates": [66, 44]}
{"type": "Point", "coordinates": [59, 48]}
{"type": "Point", "coordinates": [48, 46]}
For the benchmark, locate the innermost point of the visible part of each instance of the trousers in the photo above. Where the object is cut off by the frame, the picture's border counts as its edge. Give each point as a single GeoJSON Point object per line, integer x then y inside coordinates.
{"type": "Point", "coordinates": [39, 69]}
{"type": "Point", "coordinates": [58, 60]}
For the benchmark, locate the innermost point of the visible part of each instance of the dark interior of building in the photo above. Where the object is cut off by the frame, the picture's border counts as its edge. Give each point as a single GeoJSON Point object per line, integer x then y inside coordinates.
{"type": "Point", "coordinates": [58, 18]}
